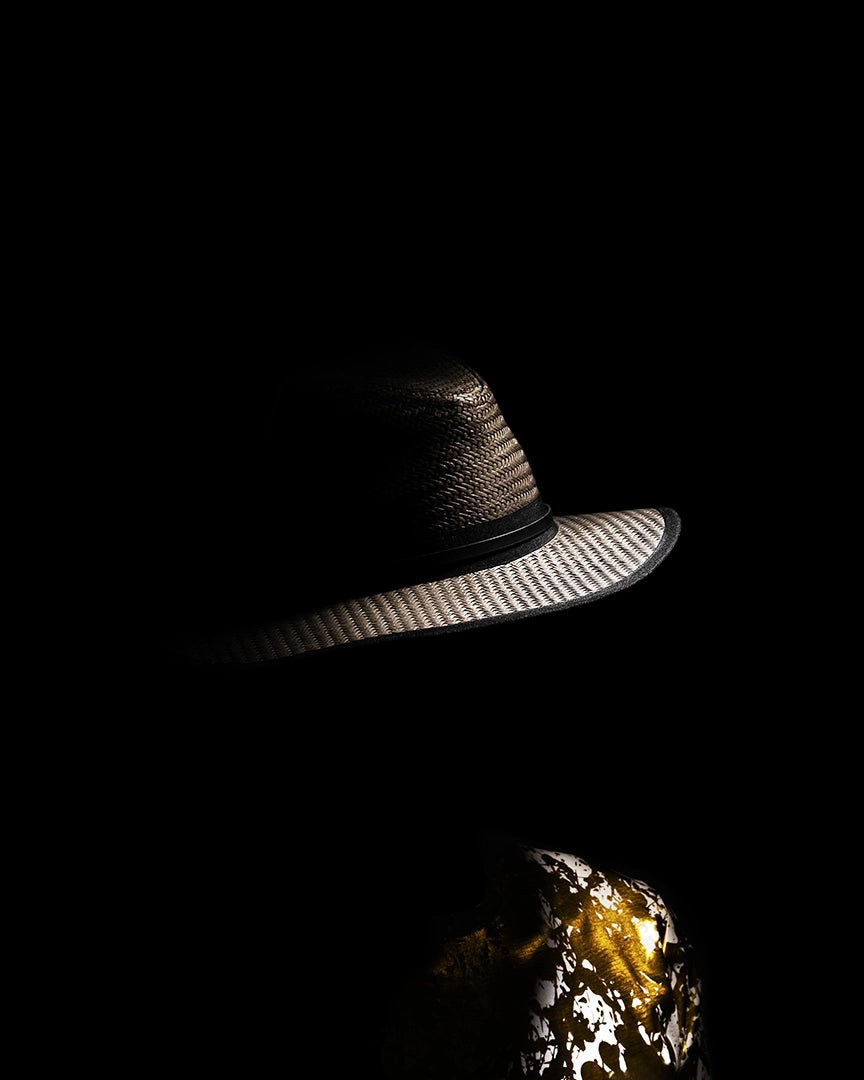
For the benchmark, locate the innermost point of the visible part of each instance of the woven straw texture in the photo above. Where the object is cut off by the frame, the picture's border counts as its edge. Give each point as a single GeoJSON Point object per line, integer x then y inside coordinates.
{"type": "Point", "coordinates": [588, 555]}
{"type": "Point", "coordinates": [422, 453]}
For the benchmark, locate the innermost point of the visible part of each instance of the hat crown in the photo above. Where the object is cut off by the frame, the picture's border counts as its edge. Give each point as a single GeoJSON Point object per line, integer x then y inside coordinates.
{"type": "Point", "coordinates": [415, 449]}
{"type": "Point", "coordinates": [360, 475]}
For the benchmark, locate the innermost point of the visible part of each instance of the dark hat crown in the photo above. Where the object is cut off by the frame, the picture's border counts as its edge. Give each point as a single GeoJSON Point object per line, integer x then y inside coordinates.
{"type": "Point", "coordinates": [407, 457]}
{"type": "Point", "coordinates": [423, 445]}
{"type": "Point", "coordinates": [369, 473]}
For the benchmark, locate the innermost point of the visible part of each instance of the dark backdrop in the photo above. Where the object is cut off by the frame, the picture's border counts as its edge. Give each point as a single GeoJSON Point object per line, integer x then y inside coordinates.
{"type": "Point", "coordinates": [604, 730]}
{"type": "Point", "coordinates": [604, 303]}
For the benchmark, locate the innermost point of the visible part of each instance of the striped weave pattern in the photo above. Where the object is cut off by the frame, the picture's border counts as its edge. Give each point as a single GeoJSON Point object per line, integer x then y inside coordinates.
{"type": "Point", "coordinates": [588, 554]}
{"type": "Point", "coordinates": [448, 462]}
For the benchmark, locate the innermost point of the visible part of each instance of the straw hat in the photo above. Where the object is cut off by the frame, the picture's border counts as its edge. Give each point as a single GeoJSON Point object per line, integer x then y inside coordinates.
{"type": "Point", "coordinates": [391, 498]}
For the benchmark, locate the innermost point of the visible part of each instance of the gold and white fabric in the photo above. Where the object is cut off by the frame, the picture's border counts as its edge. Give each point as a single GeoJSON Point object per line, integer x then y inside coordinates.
{"type": "Point", "coordinates": [568, 973]}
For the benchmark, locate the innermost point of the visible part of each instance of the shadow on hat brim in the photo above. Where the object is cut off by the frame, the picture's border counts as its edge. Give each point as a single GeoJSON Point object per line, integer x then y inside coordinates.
{"type": "Point", "coordinates": [588, 557]}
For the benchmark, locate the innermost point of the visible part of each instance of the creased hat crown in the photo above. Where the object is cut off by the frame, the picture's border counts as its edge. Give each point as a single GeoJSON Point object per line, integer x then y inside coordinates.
{"type": "Point", "coordinates": [365, 470]}
{"type": "Point", "coordinates": [416, 450]}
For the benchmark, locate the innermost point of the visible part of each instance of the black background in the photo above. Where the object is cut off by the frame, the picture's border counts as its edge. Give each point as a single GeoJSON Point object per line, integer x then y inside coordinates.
{"type": "Point", "coordinates": [609, 730]}
{"type": "Point", "coordinates": [593, 254]}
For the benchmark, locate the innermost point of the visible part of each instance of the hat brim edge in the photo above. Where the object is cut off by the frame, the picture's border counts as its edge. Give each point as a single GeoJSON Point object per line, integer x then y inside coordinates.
{"type": "Point", "coordinates": [667, 541]}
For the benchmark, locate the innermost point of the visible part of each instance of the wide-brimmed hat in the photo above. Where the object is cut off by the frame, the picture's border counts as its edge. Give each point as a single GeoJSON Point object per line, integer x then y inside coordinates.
{"type": "Point", "coordinates": [392, 500]}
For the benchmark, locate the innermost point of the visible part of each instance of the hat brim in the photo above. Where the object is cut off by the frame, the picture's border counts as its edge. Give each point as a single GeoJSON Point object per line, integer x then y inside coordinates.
{"type": "Point", "coordinates": [590, 556]}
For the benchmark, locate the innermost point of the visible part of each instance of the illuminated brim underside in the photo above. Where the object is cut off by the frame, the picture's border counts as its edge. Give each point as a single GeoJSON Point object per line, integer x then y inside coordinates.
{"type": "Point", "coordinates": [590, 556]}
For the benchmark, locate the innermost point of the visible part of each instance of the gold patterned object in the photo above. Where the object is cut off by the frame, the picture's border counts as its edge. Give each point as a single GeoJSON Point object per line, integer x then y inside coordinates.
{"type": "Point", "coordinates": [570, 974]}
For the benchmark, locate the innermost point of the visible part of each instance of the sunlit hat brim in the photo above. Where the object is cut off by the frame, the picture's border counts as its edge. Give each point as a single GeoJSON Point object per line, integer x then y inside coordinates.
{"type": "Point", "coordinates": [589, 557]}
